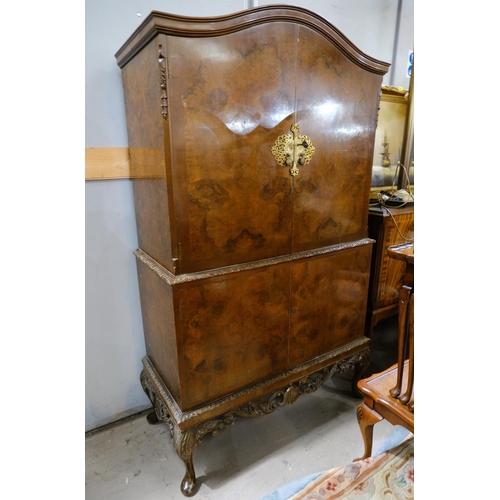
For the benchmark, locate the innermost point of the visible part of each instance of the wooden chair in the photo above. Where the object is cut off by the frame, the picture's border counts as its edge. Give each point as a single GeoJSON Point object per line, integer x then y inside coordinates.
{"type": "Point", "coordinates": [389, 394]}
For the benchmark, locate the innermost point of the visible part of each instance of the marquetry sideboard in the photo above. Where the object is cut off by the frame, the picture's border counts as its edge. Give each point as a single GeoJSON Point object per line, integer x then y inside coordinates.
{"type": "Point", "coordinates": [252, 136]}
{"type": "Point", "coordinates": [388, 227]}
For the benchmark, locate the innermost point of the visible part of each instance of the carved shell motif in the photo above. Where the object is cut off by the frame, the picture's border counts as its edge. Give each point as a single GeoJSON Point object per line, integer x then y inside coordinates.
{"type": "Point", "coordinates": [291, 395]}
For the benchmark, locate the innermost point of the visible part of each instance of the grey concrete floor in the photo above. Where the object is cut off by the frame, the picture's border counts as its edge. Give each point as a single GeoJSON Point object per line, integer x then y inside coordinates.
{"type": "Point", "coordinates": [137, 461]}
{"type": "Point", "coordinates": [134, 460]}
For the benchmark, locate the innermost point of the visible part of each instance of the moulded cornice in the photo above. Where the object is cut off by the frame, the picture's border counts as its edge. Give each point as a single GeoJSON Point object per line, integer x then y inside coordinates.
{"type": "Point", "coordinates": [184, 26]}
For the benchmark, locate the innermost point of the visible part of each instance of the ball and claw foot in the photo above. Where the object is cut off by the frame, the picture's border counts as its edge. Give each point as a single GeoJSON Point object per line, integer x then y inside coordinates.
{"type": "Point", "coordinates": [152, 418]}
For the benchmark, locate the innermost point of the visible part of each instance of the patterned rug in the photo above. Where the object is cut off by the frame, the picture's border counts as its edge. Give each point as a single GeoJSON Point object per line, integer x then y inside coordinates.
{"type": "Point", "coordinates": [388, 476]}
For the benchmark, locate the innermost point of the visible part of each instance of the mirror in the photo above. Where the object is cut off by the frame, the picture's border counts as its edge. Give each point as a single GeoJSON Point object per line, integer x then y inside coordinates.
{"type": "Point", "coordinates": [405, 175]}
{"type": "Point", "coordinates": [393, 155]}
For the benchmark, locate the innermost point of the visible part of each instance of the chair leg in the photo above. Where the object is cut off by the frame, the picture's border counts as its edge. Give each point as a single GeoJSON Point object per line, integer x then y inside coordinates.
{"type": "Point", "coordinates": [404, 296]}
{"type": "Point", "coordinates": [367, 418]}
{"type": "Point", "coordinates": [405, 398]}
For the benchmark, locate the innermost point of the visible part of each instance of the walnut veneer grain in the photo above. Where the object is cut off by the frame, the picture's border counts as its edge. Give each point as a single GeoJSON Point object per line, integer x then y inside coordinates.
{"type": "Point", "coordinates": [253, 282]}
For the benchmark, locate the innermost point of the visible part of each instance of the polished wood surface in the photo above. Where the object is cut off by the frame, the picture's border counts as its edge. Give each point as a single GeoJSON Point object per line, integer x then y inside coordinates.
{"type": "Point", "coordinates": [390, 394]}
{"type": "Point", "coordinates": [153, 192]}
{"type": "Point", "coordinates": [214, 335]}
{"type": "Point", "coordinates": [378, 405]}
{"type": "Point", "coordinates": [386, 276]}
{"type": "Point", "coordinates": [405, 253]}
{"type": "Point", "coordinates": [272, 213]}
{"type": "Point", "coordinates": [204, 27]}
{"type": "Point", "coordinates": [231, 97]}
{"type": "Point", "coordinates": [253, 282]}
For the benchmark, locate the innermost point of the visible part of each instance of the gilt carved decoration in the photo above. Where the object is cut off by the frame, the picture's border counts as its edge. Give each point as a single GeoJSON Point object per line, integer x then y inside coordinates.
{"type": "Point", "coordinates": [163, 82]}
{"type": "Point", "coordinates": [171, 279]}
{"type": "Point", "coordinates": [359, 362]}
{"type": "Point", "coordinates": [293, 150]}
{"type": "Point", "coordinates": [185, 441]}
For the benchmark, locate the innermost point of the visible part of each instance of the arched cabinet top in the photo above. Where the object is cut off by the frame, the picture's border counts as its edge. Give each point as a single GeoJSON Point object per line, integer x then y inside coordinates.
{"type": "Point", "coordinates": [184, 26]}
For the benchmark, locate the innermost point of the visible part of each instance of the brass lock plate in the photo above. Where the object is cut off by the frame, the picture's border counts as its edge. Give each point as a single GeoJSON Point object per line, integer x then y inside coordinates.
{"type": "Point", "coordinates": [293, 150]}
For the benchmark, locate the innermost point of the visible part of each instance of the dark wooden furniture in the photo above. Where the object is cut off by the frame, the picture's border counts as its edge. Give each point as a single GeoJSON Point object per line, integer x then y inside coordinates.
{"type": "Point", "coordinates": [253, 137]}
{"type": "Point", "coordinates": [388, 227]}
{"type": "Point", "coordinates": [390, 394]}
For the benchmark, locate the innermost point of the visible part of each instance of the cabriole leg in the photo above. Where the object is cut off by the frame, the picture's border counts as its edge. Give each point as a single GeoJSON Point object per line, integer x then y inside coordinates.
{"type": "Point", "coordinates": [367, 418]}
{"type": "Point", "coordinates": [185, 442]}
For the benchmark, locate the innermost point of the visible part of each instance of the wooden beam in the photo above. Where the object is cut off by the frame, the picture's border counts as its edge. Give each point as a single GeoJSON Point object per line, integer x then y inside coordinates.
{"type": "Point", "coordinates": [107, 163]}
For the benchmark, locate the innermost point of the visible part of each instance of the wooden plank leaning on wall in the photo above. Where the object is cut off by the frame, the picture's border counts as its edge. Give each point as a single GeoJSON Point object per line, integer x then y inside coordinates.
{"type": "Point", "coordinates": [107, 163]}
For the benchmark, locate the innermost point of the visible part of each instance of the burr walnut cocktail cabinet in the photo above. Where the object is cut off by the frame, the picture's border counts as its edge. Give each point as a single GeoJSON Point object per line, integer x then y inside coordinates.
{"type": "Point", "coordinates": [251, 142]}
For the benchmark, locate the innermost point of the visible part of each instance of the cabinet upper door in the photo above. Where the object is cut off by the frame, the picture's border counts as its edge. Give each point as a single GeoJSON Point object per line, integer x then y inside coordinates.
{"type": "Point", "coordinates": [337, 103]}
{"type": "Point", "coordinates": [227, 96]}
{"type": "Point", "coordinates": [229, 87]}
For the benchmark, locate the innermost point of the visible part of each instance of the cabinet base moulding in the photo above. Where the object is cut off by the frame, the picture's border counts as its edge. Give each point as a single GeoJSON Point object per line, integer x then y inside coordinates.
{"type": "Point", "coordinates": [188, 428]}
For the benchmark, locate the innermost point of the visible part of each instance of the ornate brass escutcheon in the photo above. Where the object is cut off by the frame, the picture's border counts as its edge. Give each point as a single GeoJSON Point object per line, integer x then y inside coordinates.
{"type": "Point", "coordinates": [293, 150]}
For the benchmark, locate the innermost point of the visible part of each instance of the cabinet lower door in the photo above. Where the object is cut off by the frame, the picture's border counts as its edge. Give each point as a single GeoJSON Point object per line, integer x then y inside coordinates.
{"type": "Point", "coordinates": [234, 332]}
{"type": "Point", "coordinates": [329, 299]}
{"type": "Point", "coordinates": [238, 329]}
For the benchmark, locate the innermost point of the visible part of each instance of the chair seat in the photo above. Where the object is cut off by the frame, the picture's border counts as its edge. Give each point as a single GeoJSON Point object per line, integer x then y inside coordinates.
{"type": "Point", "coordinates": [376, 396]}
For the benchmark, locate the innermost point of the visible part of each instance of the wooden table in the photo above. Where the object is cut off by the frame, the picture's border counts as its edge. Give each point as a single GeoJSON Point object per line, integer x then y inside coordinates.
{"type": "Point", "coordinates": [389, 227]}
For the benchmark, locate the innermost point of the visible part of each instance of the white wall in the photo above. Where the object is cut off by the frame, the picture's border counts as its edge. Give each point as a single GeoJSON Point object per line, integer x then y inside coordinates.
{"type": "Point", "coordinates": [114, 338]}
{"type": "Point", "coordinates": [370, 25]}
